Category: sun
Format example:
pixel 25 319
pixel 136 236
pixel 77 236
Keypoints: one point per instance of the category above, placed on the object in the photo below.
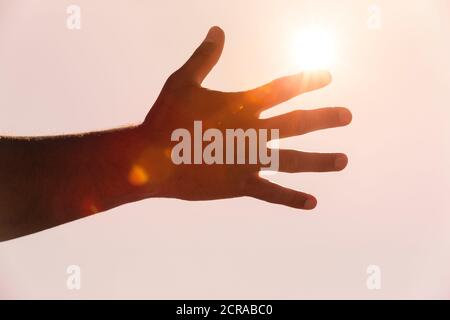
pixel 314 48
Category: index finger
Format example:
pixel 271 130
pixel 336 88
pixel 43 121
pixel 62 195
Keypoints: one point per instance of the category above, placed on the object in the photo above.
pixel 284 89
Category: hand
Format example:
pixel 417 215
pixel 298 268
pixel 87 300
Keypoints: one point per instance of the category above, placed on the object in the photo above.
pixel 183 100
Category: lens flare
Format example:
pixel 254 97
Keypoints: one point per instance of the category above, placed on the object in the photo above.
pixel 138 176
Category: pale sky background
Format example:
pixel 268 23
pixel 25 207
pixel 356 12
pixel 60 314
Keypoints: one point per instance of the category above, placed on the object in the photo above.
pixel 390 207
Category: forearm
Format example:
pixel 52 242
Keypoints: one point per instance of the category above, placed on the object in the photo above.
pixel 50 181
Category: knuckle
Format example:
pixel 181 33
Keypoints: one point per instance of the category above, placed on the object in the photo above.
pixel 173 78
pixel 205 50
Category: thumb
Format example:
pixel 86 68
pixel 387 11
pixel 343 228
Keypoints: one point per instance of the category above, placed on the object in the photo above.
pixel 205 57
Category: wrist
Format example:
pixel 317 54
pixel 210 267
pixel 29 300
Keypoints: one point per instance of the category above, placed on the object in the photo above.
pixel 135 160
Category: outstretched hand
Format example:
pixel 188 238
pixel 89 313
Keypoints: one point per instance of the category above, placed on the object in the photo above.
pixel 183 100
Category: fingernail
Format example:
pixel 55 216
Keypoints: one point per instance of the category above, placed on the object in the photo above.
pixel 325 76
pixel 213 35
pixel 345 117
pixel 321 75
pixel 310 204
pixel 340 162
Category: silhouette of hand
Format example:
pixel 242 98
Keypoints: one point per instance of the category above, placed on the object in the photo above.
pixel 183 100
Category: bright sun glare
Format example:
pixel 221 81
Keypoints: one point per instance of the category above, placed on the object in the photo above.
pixel 315 48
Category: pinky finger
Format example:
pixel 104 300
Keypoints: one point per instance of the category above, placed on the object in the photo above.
pixel 268 191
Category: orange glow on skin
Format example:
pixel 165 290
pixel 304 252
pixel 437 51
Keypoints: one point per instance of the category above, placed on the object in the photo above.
pixel 93 208
pixel 89 207
pixel 168 153
pixel 138 176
